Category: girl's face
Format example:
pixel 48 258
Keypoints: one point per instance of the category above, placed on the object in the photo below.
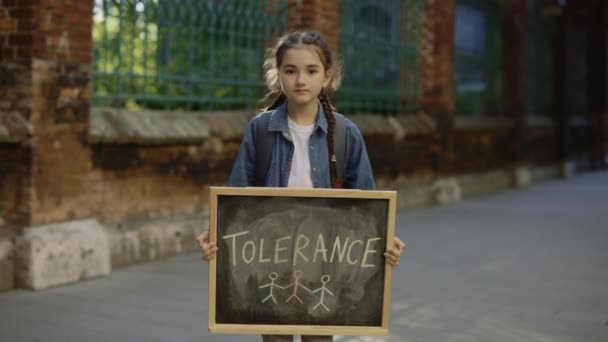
pixel 302 75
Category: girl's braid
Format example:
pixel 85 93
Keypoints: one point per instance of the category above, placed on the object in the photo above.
pixel 328 108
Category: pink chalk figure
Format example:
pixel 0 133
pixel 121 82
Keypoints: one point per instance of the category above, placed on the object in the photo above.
pixel 296 284
pixel 273 277
pixel 323 289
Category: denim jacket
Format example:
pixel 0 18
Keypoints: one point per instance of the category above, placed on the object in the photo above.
pixel 357 169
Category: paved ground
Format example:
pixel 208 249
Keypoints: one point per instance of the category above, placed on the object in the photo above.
pixel 528 265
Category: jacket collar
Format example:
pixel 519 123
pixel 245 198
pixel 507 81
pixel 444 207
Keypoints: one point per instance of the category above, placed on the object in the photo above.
pixel 278 119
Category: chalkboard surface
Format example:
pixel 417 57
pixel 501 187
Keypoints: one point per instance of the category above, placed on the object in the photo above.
pixel 298 259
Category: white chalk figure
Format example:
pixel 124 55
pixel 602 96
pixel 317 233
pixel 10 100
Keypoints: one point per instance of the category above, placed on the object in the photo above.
pixel 296 285
pixel 273 277
pixel 323 289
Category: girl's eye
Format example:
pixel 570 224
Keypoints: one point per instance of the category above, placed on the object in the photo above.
pixel 312 72
pixel 289 72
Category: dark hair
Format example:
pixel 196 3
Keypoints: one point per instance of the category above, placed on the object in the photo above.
pixel 272 63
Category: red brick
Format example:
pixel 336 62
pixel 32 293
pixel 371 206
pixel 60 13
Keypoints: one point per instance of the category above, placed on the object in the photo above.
pixel 7 25
pixel 80 36
pixel 73 20
pixel 7 53
pixel 63 57
pixel 24 52
pixel 84 6
pixel 39 41
pixel 85 57
pixel 26 3
pixel 43 54
pixel 20 39
pixel 25 25
pixel 22 12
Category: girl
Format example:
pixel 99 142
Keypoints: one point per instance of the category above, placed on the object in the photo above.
pixel 302 73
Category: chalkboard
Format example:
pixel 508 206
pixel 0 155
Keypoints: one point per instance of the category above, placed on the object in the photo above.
pixel 300 261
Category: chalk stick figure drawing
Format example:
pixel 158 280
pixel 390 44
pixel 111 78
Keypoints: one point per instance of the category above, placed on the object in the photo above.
pixel 273 277
pixel 323 289
pixel 296 285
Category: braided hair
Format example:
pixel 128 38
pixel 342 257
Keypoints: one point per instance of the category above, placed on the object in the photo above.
pixel 272 63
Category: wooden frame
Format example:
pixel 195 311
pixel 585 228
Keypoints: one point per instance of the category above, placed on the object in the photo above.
pixel 382 329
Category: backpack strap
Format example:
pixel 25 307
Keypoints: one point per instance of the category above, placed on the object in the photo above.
pixel 340 148
pixel 263 148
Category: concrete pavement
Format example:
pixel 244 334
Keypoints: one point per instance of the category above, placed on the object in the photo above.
pixel 528 265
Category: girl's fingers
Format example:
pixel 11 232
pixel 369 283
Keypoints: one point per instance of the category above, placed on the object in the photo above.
pixel 394 252
pixel 202 238
pixel 210 254
pixel 208 249
pixel 400 245
pixel 391 259
pixel 393 255
pixel 203 241
pixel 209 245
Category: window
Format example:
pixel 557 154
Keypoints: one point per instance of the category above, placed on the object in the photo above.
pixel 477 58
pixel 539 60
pixel 379 47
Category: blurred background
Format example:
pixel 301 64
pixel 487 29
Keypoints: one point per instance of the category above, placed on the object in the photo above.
pixel 117 115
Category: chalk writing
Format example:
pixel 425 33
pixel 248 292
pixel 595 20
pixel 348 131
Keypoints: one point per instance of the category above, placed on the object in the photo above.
pixel 296 285
pixel 323 290
pixel 343 250
pixel 273 276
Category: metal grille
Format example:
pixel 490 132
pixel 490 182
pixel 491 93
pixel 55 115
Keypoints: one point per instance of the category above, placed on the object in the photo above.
pixel 183 54
pixel 539 66
pixel 477 51
pixel 379 48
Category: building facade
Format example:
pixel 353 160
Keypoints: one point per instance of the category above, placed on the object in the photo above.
pixel 117 117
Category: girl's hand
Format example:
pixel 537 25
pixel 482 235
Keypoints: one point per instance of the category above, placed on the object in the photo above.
pixel 393 255
pixel 209 249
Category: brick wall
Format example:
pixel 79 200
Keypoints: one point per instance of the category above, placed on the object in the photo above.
pixel 436 78
pixel 513 17
pixel 45 49
pixel 436 56
pixel 16 27
pixel 138 181
pixel 478 150
pixel 13 184
pixel 540 145
pixel 318 15
pixel 61 73
pixel 46 68
pixel 62 174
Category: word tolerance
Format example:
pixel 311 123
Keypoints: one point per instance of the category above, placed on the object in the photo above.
pixel 277 251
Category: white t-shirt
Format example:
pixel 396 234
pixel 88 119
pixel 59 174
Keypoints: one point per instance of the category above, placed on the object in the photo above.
pixel 299 175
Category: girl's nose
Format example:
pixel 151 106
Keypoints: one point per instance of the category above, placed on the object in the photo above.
pixel 299 80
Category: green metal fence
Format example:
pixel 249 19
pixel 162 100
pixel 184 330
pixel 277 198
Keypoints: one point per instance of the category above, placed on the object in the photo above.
pixel 539 57
pixel 477 57
pixel 183 54
pixel 379 48
pixel 207 54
